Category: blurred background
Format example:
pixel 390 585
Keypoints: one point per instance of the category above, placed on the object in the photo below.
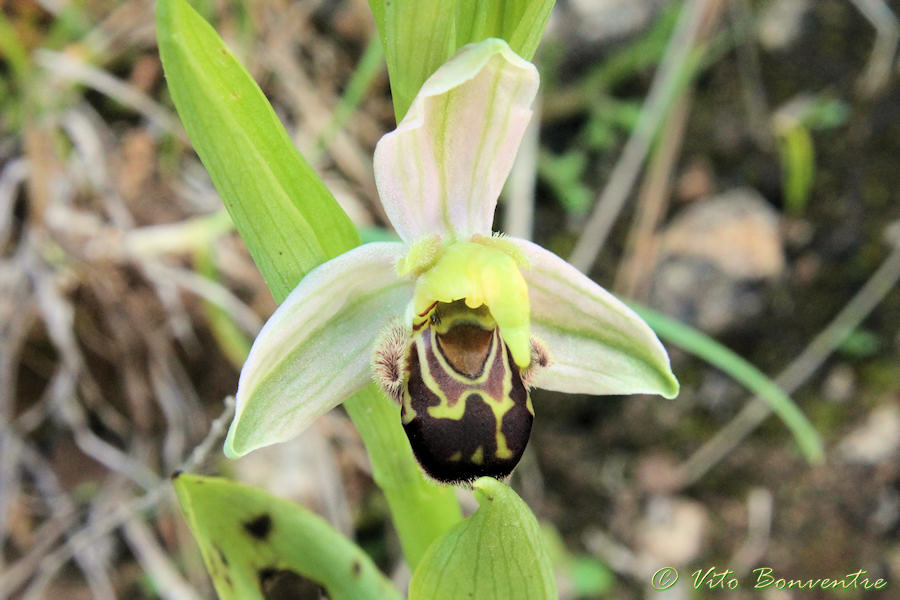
pixel 732 163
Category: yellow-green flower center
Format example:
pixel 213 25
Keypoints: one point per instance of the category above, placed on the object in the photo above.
pixel 483 271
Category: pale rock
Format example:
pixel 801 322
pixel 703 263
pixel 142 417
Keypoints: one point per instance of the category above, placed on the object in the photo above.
pixel 736 231
pixel 599 21
pixel 673 530
pixel 839 385
pixel 715 258
pixel 876 440
pixel 780 23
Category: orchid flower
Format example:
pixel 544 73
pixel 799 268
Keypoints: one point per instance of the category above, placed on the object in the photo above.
pixel 455 323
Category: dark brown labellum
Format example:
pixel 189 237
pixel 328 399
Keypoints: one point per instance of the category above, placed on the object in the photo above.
pixel 465 408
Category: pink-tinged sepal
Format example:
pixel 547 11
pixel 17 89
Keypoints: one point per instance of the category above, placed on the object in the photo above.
pixel 316 349
pixel 442 169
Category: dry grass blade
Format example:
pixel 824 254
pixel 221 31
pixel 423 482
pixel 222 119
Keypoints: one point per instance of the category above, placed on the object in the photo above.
pixel 621 180
pixel 632 278
pixel 50 564
pixel 756 410
pixel 74 70
pixel 153 559
pixel 887 35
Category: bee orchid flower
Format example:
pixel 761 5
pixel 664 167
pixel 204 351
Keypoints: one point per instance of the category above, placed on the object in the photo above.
pixel 455 323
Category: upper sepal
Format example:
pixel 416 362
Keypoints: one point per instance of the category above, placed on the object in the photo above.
pixel 442 169
pixel 316 349
pixel 597 345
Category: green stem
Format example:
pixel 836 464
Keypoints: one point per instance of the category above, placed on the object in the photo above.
pixel 422 510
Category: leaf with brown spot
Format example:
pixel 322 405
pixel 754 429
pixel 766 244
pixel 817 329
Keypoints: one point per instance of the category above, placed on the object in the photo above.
pixel 259 547
pixel 259 527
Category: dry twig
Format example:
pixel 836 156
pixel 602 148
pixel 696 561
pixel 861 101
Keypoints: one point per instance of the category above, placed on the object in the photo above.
pixel 627 169
pixel 756 410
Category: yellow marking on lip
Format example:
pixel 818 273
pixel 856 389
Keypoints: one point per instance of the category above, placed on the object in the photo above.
pixel 500 410
pixel 499 406
pixel 449 317
pixel 409 413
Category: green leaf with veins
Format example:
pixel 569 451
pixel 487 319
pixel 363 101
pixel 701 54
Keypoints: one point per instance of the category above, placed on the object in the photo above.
pixel 259 546
pixel 497 553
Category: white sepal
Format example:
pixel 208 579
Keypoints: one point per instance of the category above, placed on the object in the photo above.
pixel 597 345
pixel 316 349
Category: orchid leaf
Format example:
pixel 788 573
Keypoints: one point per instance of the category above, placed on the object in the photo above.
pixel 520 22
pixel 420 35
pixel 497 553
pixel 259 546
pixel 279 205
pixel 417 39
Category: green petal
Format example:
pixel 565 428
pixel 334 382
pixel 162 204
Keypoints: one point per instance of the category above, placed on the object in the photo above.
pixel 496 554
pixel 442 169
pixel 316 349
pixel 597 345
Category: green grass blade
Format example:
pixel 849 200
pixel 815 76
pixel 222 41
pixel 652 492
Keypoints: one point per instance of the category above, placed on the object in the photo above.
pixel 706 348
pixel 286 215
pixel 258 546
